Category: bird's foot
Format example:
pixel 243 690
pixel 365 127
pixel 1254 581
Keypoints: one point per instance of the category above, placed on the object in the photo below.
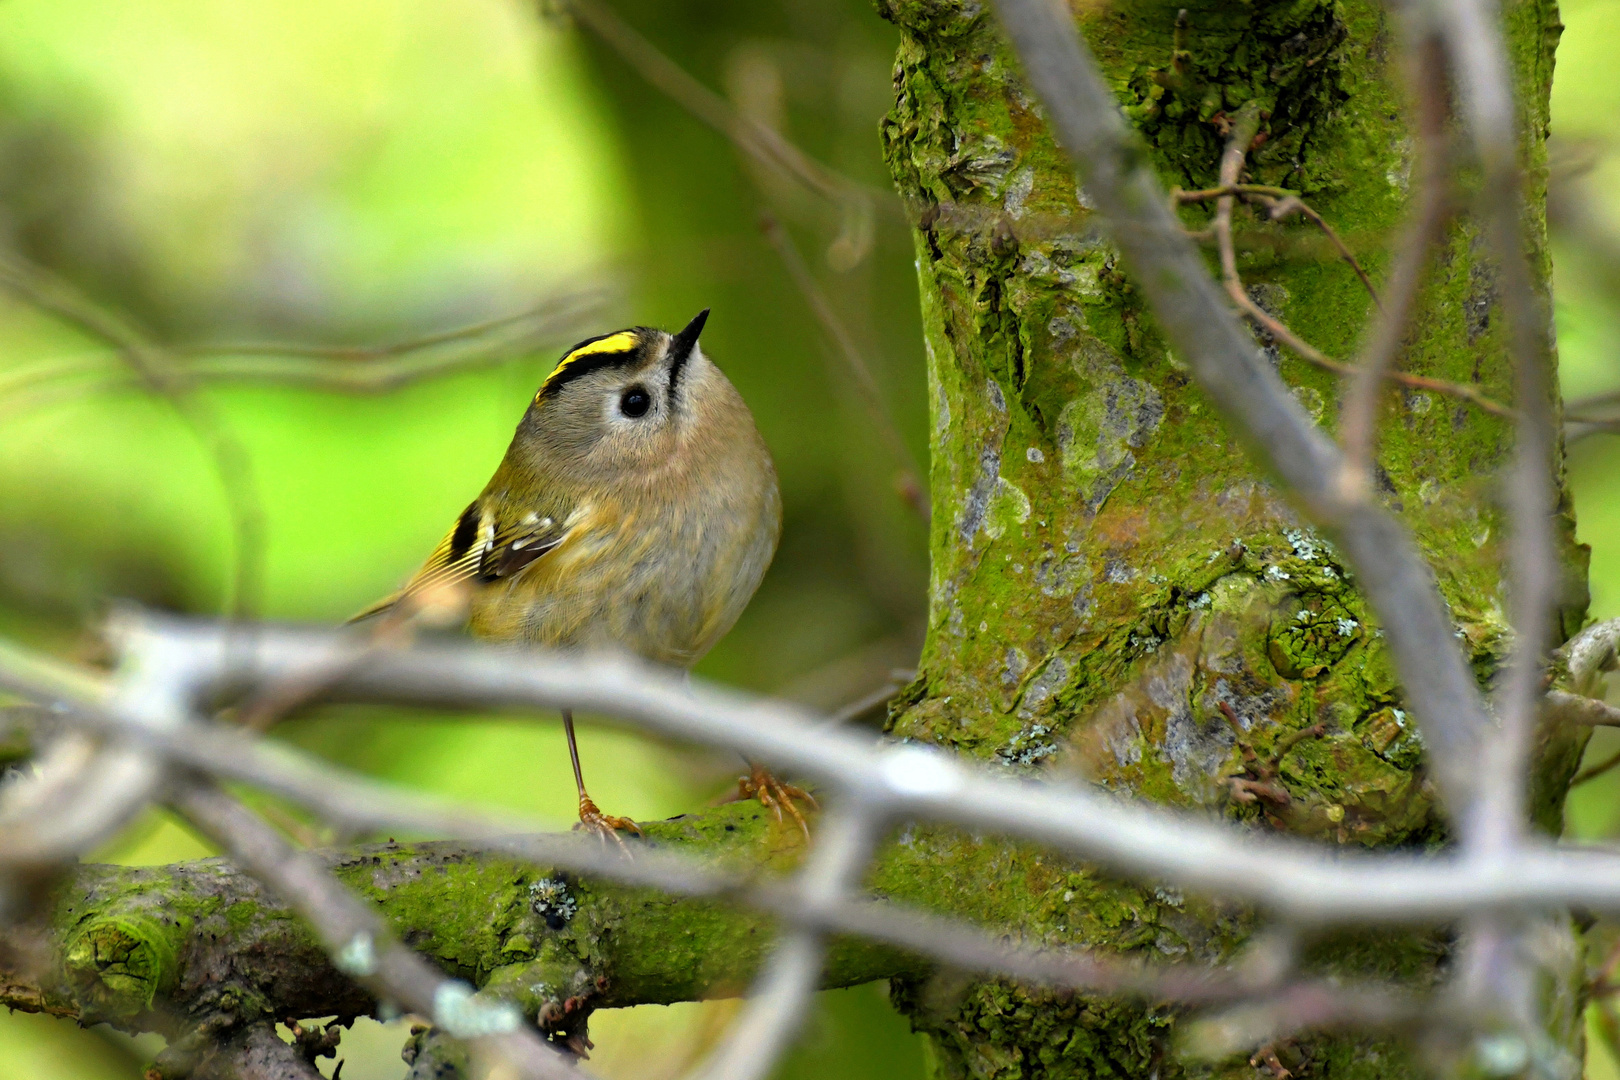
pixel 605 825
pixel 775 795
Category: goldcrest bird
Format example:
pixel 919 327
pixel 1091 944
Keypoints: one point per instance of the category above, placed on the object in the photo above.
pixel 636 508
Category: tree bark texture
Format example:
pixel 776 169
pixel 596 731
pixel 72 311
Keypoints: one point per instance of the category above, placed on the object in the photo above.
pixel 1111 576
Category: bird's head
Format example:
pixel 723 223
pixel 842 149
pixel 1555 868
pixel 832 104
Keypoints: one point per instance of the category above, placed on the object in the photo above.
pixel 625 402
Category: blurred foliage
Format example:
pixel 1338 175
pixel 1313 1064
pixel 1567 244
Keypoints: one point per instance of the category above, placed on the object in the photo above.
pixel 368 170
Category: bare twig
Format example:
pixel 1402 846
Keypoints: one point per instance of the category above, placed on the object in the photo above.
pixel 778 1008
pixel 1295 879
pixel 1117 174
pixel 871 395
pixel 360 942
pixel 1579 709
pixel 1232 160
pixel 1590 655
pixel 759 141
pixel 1281 202
pixel 153 367
pixel 1356 428
pixel 1592 772
pixel 1471 36
pixel 1577 430
pixel 1582 408
pixel 356 369
pixel 546 317
pixel 364 805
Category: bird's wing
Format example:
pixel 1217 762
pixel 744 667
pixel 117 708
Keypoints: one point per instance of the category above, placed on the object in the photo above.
pixel 487 542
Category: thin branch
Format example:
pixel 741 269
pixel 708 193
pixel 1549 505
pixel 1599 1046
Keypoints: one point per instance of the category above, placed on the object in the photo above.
pixel 335 368
pixel 232 465
pixel 547 314
pixel 1592 772
pixel 1533 565
pixel 759 141
pixel 1364 388
pixel 1592 654
pixel 1280 202
pixel 1233 282
pixel 1295 879
pixel 780 1003
pixel 361 805
pixel 1477 57
pixel 359 940
pixel 1579 709
pixel 871 395
pixel 1581 408
pixel 1293 204
pixel 1577 430
pixel 868 702
pixel 1118 176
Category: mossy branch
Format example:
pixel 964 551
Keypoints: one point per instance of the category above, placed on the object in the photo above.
pixel 202 945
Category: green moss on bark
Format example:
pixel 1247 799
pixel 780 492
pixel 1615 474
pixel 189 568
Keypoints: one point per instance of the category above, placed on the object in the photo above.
pixel 201 945
pixel 1111 576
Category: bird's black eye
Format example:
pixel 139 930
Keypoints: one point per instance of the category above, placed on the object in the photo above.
pixel 635 402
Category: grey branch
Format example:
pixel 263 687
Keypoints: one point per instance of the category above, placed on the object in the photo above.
pixel 360 942
pixel 1114 168
pixel 1294 879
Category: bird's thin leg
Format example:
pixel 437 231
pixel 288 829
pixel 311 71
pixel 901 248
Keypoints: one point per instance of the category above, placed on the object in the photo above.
pixel 603 825
pixel 762 785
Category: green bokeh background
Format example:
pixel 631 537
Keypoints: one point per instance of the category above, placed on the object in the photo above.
pixel 369 170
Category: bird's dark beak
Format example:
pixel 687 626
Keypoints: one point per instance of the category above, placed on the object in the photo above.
pixel 682 344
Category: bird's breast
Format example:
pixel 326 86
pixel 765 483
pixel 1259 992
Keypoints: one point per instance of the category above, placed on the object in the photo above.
pixel 659 576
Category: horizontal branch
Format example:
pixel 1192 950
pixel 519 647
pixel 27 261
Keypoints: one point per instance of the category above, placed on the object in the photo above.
pixel 140 947
pixel 1294 879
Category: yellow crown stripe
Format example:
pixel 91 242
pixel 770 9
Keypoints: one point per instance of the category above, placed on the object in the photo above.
pixel 623 341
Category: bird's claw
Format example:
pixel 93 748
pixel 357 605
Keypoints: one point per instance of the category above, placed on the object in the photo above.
pixel 605 825
pixel 775 795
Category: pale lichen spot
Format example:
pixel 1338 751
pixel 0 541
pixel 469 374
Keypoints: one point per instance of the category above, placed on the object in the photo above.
pixel 1042 687
pixel 1117 572
pixel 1014 667
pixel 998 400
pixel 358 957
pixel 1034 454
pixel 1097 432
pixel 1306 544
pixel 551 900
pixel 458 1009
pixel 1008 507
pixel 1018 190
pixel 1311 400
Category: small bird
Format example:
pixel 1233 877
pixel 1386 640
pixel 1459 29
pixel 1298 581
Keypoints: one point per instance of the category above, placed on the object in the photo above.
pixel 636 508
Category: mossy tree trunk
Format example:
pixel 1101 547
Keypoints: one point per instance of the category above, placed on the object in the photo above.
pixel 1111 575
